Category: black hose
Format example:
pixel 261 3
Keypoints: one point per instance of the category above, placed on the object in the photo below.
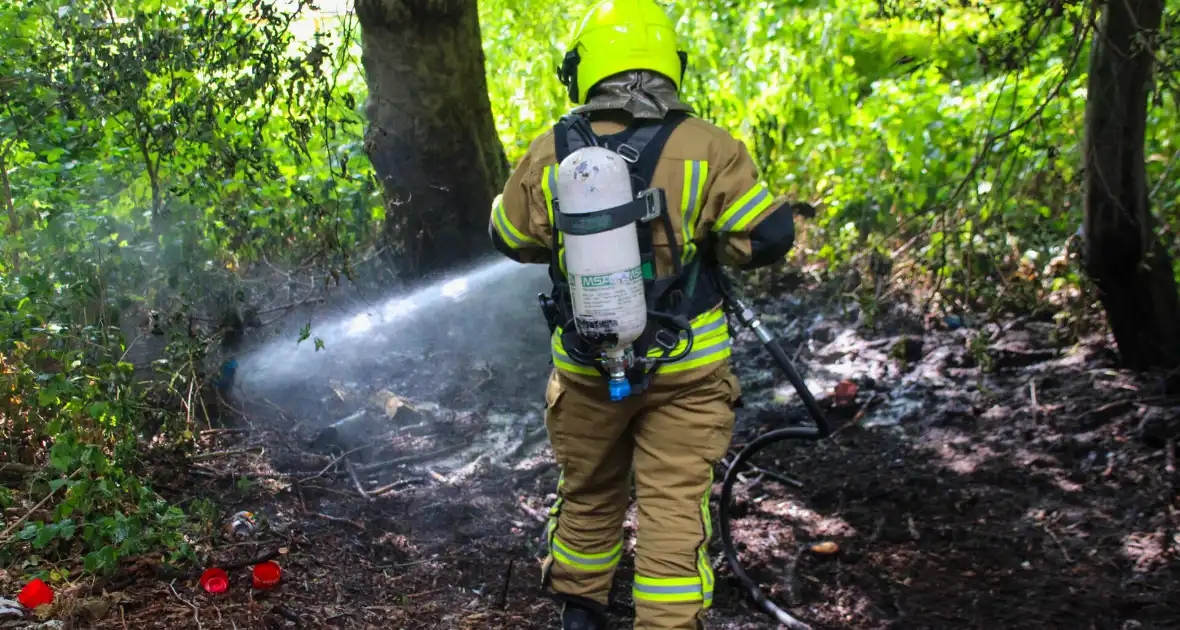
pixel 820 430
pixel 755 592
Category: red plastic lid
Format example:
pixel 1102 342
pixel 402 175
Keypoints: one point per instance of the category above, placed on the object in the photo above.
pixel 845 392
pixel 266 574
pixel 35 593
pixel 215 580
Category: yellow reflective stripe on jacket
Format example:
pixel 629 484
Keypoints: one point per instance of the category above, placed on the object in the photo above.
pixel 745 209
pixel 508 232
pixel 548 188
pixel 711 343
pixel 703 353
pixel 586 561
pixel 672 590
pixel 695 173
pixel 563 360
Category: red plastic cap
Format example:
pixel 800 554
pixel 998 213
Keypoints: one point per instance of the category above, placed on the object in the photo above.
pixel 35 593
pixel 215 580
pixel 845 392
pixel 266 574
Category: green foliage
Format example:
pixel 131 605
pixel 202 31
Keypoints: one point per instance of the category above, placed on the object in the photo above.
pixel 158 157
pixel 949 131
pixel 68 387
pixel 151 153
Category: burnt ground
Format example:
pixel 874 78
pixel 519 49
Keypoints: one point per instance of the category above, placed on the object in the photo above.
pixel 1015 484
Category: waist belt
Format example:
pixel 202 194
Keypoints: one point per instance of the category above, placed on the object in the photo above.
pixel 711 343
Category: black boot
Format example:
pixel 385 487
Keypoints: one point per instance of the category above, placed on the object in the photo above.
pixel 575 617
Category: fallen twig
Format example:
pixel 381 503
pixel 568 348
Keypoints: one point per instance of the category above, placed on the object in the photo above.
pixel 205 432
pixel 200 457
pixel 356 480
pixel 397 461
pixel 790 579
pixel 395 485
pixel 507 581
pixel 533 512
pixel 22 469
pixel 17 522
pixel 1097 417
pixel 334 462
pixel 1057 540
pixel 286 613
pixel 299 494
pixel 258 559
pixel 336 519
pixel 781 478
pixel 196 611
pixel 1170 459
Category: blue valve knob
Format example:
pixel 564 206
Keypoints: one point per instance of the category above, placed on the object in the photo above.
pixel 619 388
pixel 225 380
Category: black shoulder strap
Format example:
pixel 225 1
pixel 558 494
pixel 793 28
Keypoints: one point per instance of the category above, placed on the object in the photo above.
pixel 571 133
pixel 649 149
pixel 644 169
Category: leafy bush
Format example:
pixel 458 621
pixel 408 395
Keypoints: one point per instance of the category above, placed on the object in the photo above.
pixel 155 154
pixel 903 129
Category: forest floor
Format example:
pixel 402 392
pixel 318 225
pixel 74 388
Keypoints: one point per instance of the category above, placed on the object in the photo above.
pixel 1040 493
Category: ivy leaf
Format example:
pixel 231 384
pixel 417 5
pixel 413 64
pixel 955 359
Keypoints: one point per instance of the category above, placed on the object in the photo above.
pixel 44 536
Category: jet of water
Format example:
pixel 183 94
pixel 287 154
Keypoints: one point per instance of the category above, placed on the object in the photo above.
pixel 491 310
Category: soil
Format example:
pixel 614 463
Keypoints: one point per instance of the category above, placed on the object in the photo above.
pixel 1020 484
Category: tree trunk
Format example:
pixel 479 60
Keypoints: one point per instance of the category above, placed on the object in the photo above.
pixel 1124 256
pixel 431 136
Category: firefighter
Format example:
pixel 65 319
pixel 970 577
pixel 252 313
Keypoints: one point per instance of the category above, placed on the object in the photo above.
pixel 623 71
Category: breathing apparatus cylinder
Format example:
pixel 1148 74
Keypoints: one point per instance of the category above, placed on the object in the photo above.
pixel 604 270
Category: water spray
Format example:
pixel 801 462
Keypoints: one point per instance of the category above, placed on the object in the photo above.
pixel 454 313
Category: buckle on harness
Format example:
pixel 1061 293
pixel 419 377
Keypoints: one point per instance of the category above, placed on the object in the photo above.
pixel 628 153
pixel 665 339
pixel 653 201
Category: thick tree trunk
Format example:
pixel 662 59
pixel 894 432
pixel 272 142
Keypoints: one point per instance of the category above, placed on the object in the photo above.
pixel 1125 258
pixel 431 136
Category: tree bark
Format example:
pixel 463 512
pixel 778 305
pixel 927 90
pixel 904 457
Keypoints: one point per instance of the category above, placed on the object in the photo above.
pixel 431 137
pixel 1124 256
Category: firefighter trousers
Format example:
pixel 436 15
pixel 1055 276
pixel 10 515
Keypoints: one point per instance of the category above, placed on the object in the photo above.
pixel 667 441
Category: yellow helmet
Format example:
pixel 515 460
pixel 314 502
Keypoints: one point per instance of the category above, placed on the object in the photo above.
pixel 620 35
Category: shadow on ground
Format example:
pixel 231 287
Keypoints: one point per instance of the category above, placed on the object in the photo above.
pixel 1038 495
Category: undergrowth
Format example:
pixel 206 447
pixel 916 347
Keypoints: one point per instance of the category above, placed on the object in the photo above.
pixel 167 165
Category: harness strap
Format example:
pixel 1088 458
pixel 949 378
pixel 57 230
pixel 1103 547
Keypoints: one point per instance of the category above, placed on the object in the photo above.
pixel 649 205
pixel 656 331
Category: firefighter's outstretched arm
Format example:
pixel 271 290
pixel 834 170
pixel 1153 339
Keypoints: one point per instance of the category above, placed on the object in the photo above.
pixel 511 226
pixel 752 227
